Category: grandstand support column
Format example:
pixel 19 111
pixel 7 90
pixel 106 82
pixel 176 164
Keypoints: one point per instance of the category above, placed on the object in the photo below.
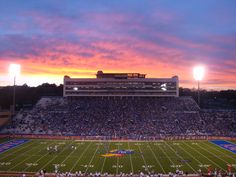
pixel 198 92
pixel 14 96
pixel 14 71
pixel 198 74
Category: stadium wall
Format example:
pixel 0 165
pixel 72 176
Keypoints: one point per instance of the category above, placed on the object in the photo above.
pixel 90 138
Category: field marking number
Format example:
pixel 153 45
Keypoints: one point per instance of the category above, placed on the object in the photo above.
pixel 177 144
pixel 99 144
pixel 203 165
pixel 148 166
pixel 80 143
pixel 31 164
pixel 60 165
pixel 137 144
pixel 194 143
pixel 87 166
pixel 117 166
pixel 5 163
pixel 176 166
pixel 157 144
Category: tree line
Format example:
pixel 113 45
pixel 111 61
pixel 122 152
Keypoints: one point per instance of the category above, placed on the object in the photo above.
pixel 27 96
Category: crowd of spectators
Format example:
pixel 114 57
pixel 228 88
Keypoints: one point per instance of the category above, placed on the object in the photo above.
pixel 122 117
pixel 219 122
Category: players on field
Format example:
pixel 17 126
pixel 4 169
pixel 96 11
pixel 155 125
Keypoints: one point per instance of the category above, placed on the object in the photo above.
pixel 73 147
pixel 52 149
pixel 56 166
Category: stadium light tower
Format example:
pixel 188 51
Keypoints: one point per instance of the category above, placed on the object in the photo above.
pixel 14 71
pixel 198 74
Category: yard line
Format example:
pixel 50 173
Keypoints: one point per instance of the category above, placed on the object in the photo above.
pixel 91 159
pixel 104 159
pixel 191 154
pixel 20 148
pixel 131 162
pixel 117 160
pixel 215 155
pixel 205 157
pixel 146 167
pixel 168 157
pixel 156 158
pixel 77 161
pixel 219 150
pixel 26 158
pixel 68 155
pixel 60 162
pixel 37 160
pixel 56 155
pixel 180 157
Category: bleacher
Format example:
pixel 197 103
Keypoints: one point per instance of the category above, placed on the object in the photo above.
pixel 121 117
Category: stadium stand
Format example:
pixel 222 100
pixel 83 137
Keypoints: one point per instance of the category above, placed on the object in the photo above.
pixel 219 122
pixel 4 118
pixel 126 117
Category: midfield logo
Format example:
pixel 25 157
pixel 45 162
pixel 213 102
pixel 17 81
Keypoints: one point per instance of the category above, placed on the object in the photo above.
pixel 118 153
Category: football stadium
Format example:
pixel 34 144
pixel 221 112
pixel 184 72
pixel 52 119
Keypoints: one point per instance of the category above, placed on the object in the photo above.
pixel 119 124
pixel 117 88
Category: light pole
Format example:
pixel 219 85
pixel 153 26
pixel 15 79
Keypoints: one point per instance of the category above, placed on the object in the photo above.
pixel 14 71
pixel 198 74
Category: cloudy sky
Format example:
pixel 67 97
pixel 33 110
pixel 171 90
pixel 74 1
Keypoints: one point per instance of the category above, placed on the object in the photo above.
pixel 160 38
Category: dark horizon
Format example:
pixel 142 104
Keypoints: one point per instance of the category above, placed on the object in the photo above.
pixel 30 95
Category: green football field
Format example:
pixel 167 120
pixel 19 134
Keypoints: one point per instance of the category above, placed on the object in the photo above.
pixel 158 156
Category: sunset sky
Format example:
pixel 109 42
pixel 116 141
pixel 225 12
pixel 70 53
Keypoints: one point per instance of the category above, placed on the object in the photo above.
pixel 160 38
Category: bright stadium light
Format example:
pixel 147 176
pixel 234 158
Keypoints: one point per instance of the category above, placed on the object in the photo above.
pixel 198 74
pixel 14 71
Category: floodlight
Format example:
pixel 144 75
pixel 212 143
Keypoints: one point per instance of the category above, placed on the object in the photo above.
pixel 163 87
pixel 198 73
pixel 14 70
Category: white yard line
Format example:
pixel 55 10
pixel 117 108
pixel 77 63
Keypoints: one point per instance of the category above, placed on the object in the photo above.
pixel 146 167
pixel 103 164
pixel 214 155
pixel 14 152
pixel 180 157
pixel 156 158
pixel 68 156
pixel 26 158
pixel 36 160
pixel 55 156
pixel 168 157
pixel 191 154
pixel 130 158
pixel 77 161
pixel 206 157
pixel 60 162
pixel 117 161
pixel 219 150
pixel 92 159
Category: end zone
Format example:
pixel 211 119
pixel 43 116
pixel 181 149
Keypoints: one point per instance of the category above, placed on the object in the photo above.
pixel 11 144
pixel 225 145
